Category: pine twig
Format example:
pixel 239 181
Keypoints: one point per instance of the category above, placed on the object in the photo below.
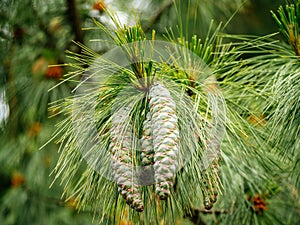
pixel 74 18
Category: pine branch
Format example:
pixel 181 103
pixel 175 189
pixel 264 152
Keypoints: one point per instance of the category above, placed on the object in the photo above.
pixel 13 120
pixel 74 18
pixel 287 20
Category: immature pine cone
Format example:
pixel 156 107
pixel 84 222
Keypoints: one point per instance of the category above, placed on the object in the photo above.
pixel 210 179
pixel 121 154
pixel 165 138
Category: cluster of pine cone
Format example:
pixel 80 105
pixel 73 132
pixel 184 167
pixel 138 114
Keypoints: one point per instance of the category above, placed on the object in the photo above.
pixel 160 148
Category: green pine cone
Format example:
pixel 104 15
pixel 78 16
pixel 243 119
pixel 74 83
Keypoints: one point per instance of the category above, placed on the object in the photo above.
pixel 165 138
pixel 207 191
pixel 147 155
pixel 210 179
pixel 215 168
pixel 121 155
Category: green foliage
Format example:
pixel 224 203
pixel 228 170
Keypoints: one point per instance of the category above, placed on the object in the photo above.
pixel 253 79
pixel 190 91
pixel 283 87
pixel 288 22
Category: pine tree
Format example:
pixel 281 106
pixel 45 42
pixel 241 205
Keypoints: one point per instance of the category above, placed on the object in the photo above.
pixel 200 128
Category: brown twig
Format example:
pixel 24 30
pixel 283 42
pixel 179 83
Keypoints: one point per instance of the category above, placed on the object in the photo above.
pixel 75 21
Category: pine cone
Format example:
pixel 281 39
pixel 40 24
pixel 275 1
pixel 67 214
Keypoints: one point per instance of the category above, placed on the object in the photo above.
pixel 210 179
pixel 120 147
pixel 147 155
pixel 165 138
